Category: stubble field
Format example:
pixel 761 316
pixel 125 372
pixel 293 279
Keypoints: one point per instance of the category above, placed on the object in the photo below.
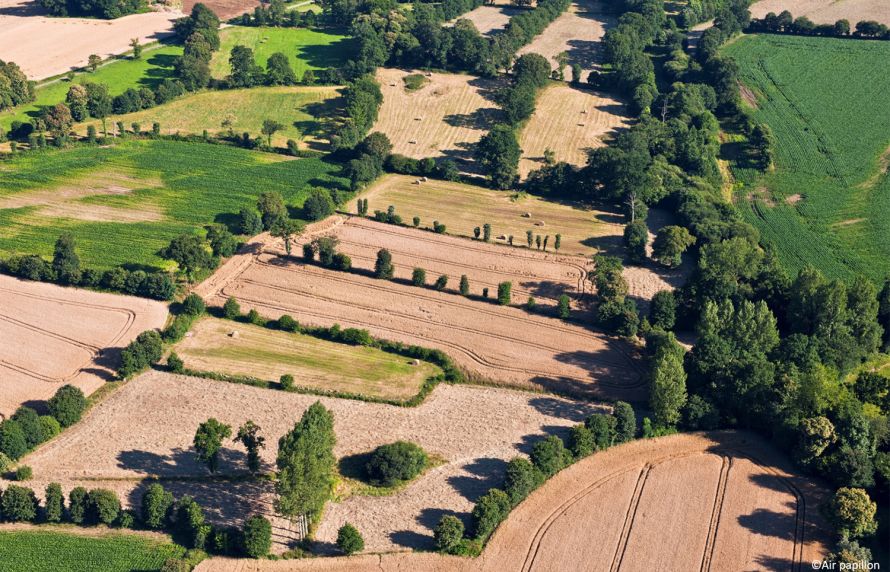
pixel 444 118
pixel 490 19
pixel 826 11
pixel 569 121
pixel 55 336
pixel 43 46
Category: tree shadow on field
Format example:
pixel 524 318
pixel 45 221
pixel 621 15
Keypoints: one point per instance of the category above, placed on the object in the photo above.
pixel 608 245
pixel 547 288
pixel 162 67
pixel 480 119
pixel 354 466
pixel 180 463
pixel 411 539
pixel 775 563
pixel 766 522
pixel 488 88
pixel 484 473
pixel 528 441
pixel 332 55
pixel 576 411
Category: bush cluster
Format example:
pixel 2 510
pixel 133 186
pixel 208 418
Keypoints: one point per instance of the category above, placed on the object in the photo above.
pixel 394 463
pixel 26 429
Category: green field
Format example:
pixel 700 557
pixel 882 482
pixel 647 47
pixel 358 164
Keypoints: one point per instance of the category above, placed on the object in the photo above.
pixel 305 111
pixel 125 202
pixel 155 65
pixel 827 202
pixel 307 49
pixel 50 551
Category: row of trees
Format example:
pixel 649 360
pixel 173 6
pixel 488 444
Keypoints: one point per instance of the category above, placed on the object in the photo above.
pixel 15 89
pixel 786 23
pixel 105 9
pixel 277 14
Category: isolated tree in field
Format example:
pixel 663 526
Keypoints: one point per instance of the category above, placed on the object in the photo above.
pixel 349 539
pixel 498 154
pixel 137 48
pixel 278 70
pixel 448 533
pixel 669 245
pixel 486 232
pixel 188 251
pixel 271 207
pixel 418 277
pixel 529 237
pixel 383 267
pixel 208 441
pixel 93 62
pixel 156 506
pixel 636 235
pixel 667 383
pixel 504 289
pixel 464 285
pixel 249 436
pixel 319 205
pixel 285 229
pixel 306 465
pixel 66 263
pixel 395 462
pixel 270 127
pixel 563 306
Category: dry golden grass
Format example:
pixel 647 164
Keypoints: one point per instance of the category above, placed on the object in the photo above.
pixel 568 121
pixel 827 11
pixel 444 118
pixel 490 20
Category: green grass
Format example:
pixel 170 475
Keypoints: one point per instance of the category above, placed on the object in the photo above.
pixel 51 551
pixel 306 49
pixel 154 66
pixel 175 187
pixel 826 101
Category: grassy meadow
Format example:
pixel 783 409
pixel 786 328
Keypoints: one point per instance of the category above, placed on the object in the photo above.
pixel 316 364
pixel 307 49
pixel 827 201
pixel 51 551
pixel 305 111
pixel 125 202
pixel 155 65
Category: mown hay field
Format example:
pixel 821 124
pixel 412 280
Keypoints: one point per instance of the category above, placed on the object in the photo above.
pixel 306 49
pixel 826 11
pixel 826 203
pixel 245 350
pixel 70 550
pixel 306 112
pixel 155 65
pixel 490 19
pixel 444 118
pixel 461 208
pixel 143 193
pixel 569 121
pixel 577 32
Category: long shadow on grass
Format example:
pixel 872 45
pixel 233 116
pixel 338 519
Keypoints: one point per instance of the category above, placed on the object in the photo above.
pixel 332 55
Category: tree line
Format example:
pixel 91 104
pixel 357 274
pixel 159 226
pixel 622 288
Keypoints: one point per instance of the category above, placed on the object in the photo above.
pixel 786 23
pixel 105 9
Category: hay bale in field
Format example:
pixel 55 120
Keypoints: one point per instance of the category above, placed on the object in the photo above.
pixel 502 237
pixel 234 334
pixel 539 223
pixel 413 142
pixel 581 125
pixel 526 215
pixel 415 361
pixel 424 179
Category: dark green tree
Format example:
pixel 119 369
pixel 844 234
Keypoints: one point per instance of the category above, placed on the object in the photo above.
pixel 208 441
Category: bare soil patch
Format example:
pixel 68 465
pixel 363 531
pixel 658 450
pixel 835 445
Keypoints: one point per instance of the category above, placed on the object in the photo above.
pixel 444 118
pixel 793 199
pixel 146 428
pixel 546 276
pixel 568 121
pixel 495 344
pixel 225 9
pixel 490 20
pixel 43 46
pixel 578 31
pixel 631 508
pixel 826 11
pixel 748 95
pixel 54 335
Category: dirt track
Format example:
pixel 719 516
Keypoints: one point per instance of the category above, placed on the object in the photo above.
pixel 718 501
pixel 498 344
pixel 43 46
pixel 146 428
pixel 54 335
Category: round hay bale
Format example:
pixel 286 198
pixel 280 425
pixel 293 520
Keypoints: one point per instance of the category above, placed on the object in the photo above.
pixel 526 215
pixel 234 334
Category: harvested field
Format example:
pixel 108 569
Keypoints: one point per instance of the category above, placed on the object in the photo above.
pixel 533 273
pixel 490 20
pixel 43 46
pixel 827 11
pixel 569 121
pixel 444 118
pixel 631 508
pixel 54 335
pixel 461 207
pixel 225 9
pixel 578 32
pixel 488 341
pixel 266 354
pixel 146 429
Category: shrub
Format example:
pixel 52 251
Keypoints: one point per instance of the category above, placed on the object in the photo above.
pixel 253 317
pixel 54 503
pixel 485 292
pixel 394 462
pixel 231 309
pixel 490 510
pixel 67 405
pixel 530 304
pixel 125 519
pixel 342 262
pixel 24 473
pixel 349 539
pixel 308 251
pixel 581 442
pixel 486 232
pixel 103 506
pixel 49 427
pixel 18 504
pixel 550 456
pixel 5 464
pixel 416 221
pixel 288 324
pixel 418 277
pixel 476 232
pixel 156 505
pixel 383 267
pixel 521 478
pixel 438 227
pixel 563 308
pixel 464 285
pixel 287 382
pixel 257 536
pixel 448 533
pixel 12 439
pixel 504 289
pixel 193 305
pixel 175 363
pixel 625 422
pixel 77 505
pixel 441 282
